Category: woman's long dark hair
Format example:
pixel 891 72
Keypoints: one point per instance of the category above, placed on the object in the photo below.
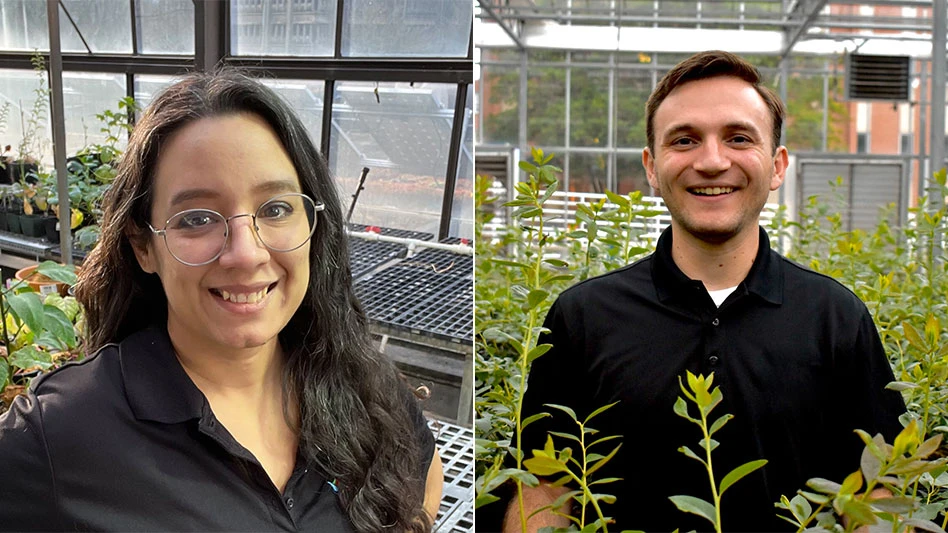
pixel 354 420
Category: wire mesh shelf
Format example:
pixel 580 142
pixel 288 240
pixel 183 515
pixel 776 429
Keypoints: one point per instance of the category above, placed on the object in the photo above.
pixel 456 446
pixel 414 297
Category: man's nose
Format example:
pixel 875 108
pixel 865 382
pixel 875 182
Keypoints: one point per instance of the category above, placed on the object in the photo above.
pixel 712 157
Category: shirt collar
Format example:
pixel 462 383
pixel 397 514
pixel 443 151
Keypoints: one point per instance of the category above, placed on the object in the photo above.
pixel 157 386
pixel 765 278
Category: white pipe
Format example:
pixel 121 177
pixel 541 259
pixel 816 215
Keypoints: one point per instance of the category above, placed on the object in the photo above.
pixel 460 249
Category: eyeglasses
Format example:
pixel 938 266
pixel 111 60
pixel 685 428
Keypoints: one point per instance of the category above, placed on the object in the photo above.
pixel 283 223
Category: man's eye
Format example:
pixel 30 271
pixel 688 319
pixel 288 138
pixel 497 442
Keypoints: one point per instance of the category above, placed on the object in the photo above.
pixel 684 141
pixel 741 139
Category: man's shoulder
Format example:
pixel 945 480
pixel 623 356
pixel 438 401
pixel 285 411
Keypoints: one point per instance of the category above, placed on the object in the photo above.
pixel 809 283
pixel 635 275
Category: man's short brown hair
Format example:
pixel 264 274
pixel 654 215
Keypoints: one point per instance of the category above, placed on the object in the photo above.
pixel 712 64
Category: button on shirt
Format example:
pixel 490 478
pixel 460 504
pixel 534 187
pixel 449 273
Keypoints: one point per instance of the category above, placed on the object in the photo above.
pixel 124 441
pixel 796 355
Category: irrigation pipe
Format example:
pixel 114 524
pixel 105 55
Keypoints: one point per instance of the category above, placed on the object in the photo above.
pixel 460 249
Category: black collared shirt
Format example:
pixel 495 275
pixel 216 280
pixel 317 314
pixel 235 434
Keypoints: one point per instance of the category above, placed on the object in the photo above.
pixel 796 355
pixel 124 441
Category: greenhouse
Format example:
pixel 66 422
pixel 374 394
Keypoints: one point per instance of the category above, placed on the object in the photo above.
pixel 573 190
pixel 384 91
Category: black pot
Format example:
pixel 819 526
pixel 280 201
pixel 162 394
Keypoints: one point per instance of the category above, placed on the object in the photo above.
pixel 13 222
pixel 32 225
pixel 22 171
pixel 51 229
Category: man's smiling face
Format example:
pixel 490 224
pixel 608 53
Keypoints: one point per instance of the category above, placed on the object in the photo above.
pixel 713 162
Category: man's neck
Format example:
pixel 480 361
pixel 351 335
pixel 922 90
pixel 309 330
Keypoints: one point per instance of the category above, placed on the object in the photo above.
pixel 717 265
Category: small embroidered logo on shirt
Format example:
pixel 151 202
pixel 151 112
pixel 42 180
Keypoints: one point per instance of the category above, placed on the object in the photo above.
pixel 333 485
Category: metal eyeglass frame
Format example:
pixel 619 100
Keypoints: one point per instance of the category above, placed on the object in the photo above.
pixel 317 207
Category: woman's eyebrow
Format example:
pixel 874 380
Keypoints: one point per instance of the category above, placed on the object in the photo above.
pixel 273 186
pixel 192 194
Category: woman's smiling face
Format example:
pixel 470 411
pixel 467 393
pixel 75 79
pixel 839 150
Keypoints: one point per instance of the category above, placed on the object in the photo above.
pixel 230 164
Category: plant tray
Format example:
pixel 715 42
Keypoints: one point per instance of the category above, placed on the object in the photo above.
pixel 366 256
pixel 456 446
pixel 415 297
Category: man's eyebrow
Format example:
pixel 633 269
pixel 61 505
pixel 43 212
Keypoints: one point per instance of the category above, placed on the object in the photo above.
pixel 276 186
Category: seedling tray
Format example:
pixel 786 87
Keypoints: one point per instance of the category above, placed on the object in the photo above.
pixel 456 446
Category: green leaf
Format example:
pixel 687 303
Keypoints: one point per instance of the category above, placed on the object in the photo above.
pixel 818 499
pixel 929 446
pixel 894 504
pixel 735 475
pixel 537 351
pixel 620 201
pixel 719 423
pixel 556 262
pixel 605 480
pixel 690 504
pixel 681 409
pixel 598 411
pixel 901 385
pixel 544 466
pixel 31 357
pixel 852 483
pixel 567 410
pixel 532 418
pixel 57 324
pixel 913 337
pixel 687 451
pixel 602 461
pixel 824 486
pixel 57 272
pixel 859 511
pixel 565 436
pixel 535 298
pixel 527 167
pixel 28 307
pixel 713 444
pixel 800 508
pixel 870 464
pixel 923 525
pixel 484 499
pixel 4 373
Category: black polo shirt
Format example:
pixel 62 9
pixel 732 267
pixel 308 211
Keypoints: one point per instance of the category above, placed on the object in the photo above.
pixel 795 353
pixel 124 441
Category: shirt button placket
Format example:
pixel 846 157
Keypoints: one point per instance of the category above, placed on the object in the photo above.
pixel 713 359
pixel 289 503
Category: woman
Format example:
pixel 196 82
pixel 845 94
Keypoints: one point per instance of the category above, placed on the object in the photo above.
pixel 234 387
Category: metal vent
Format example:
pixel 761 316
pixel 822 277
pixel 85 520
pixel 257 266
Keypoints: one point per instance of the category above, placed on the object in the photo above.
pixel 871 77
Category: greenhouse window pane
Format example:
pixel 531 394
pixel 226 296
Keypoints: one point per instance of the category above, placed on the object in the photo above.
pixel 401 133
pixel 406 28
pixel 546 106
pixel 587 172
pixel 20 110
pixel 105 25
pixel 462 213
pixel 86 94
pixel 165 26
pixel 632 91
pixel 498 93
pixel 306 99
pixel 283 27
pixel 23 25
pixel 630 174
pixel 589 107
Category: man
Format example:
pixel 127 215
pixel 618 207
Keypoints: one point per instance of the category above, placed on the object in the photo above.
pixel 795 353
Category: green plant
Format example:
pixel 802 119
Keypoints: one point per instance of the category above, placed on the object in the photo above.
pixel 32 144
pixel 699 393
pixel 37 332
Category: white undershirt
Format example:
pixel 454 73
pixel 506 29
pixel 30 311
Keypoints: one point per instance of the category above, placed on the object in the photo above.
pixel 721 295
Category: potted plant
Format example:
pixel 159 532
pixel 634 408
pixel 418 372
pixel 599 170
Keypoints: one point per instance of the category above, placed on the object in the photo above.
pixel 37 332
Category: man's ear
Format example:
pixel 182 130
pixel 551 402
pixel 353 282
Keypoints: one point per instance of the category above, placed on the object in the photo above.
pixel 648 161
pixel 781 163
pixel 144 252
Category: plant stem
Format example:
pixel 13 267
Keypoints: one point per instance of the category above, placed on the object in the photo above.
pixel 714 489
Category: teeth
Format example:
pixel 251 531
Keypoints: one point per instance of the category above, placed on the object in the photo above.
pixel 251 298
pixel 714 191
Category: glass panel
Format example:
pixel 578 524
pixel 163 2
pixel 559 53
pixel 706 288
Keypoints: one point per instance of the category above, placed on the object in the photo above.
pixel 587 172
pixel 406 28
pixel 401 133
pixel 306 99
pixel 283 27
pixel 106 26
pixel 589 107
pixel 23 25
pixel 86 94
pixel 498 91
pixel 630 174
pixel 147 86
pixel 165 26
pixel 546 106
pixel 462 215
pixel 632 91
pixel 21 110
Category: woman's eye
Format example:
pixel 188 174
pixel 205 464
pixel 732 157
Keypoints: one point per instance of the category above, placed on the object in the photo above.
pixel 276 210
pixel 195 220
